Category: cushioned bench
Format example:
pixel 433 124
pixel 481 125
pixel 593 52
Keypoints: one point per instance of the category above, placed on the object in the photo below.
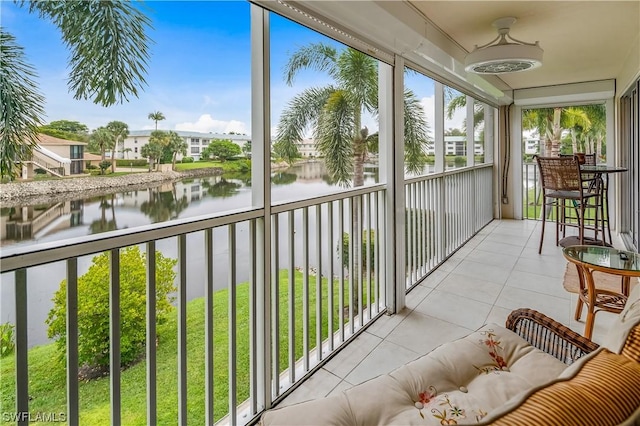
pixel 511 375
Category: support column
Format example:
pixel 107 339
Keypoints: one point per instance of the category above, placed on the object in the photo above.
pixel 261 197
pixel 391 113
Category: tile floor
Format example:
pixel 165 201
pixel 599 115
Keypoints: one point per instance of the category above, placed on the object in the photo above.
pixel 497 271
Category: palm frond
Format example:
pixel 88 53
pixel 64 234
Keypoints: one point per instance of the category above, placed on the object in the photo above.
pixel 456 103
pixel 21 108
pixel 335 137
pixel 416 134
pixel 318 56
pixel 299 114
pixel 108 44
pixel 358 75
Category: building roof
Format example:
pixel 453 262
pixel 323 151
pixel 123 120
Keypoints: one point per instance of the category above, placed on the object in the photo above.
pixel 50 140
pixel 91 157
pixel 190 134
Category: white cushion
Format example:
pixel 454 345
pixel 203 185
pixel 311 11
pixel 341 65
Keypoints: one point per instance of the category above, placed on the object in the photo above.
pixel 621 327
pixel 461 380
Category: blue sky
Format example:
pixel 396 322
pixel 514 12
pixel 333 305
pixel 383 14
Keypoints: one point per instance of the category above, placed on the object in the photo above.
pixel 198 73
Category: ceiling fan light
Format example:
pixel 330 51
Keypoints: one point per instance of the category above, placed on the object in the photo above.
pixel 506 55
pixel 504 58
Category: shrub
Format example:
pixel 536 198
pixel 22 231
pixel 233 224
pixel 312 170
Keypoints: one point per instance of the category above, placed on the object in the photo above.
pixel 460 161
pixel 104 165
pixel 40 171
pixel 132 163
pixel 93 307
pixel 187 160
pixel 7 339
pixel 367 236
pixel 91 167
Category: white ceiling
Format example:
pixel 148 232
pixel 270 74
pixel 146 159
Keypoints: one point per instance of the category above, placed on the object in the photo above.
pixel 582 40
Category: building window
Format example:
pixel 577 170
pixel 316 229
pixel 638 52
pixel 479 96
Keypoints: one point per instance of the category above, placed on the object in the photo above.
pixel 195 150
pixel 195 141
pixel 135 141
pixel 135 149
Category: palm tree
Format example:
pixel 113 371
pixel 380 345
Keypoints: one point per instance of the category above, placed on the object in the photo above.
pixel 156 116
pixel 177 145
pixel 120 131
pixel 109 53
pixel 457 101
pixel 335 113
pixel 101 140
pixel 550 122
pixel 597 116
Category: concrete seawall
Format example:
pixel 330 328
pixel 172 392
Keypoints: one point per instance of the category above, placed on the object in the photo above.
pixel 37 192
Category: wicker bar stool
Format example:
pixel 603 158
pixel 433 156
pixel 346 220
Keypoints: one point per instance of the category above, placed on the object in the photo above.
pixel 566 192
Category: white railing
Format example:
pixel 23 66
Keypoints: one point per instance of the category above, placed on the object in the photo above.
pixel 442 212
pixel 531 192
pixel 259 338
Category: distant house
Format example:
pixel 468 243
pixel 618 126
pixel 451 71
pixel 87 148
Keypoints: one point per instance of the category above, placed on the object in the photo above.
pixel 456 145
pixel 58 157
pixel 307 148
pixel 196 142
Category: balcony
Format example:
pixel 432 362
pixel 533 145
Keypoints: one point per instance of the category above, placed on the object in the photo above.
pixel 433 263
pixel 495 272
pixel 280 324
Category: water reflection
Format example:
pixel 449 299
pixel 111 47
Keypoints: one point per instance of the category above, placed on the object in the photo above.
pixel 103 224
pixel 164 205
pixel 222 189
pixel 186 198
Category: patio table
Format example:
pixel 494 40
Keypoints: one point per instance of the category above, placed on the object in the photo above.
pixel 588 259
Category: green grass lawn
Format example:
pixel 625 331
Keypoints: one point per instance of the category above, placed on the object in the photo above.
pixel 47 381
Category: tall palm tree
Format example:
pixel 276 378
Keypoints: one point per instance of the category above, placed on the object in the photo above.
pixel 156 116
pixel 334 112
pixel 109 53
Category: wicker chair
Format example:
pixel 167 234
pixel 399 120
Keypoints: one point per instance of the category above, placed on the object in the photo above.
pixel 563 182
pixel 549 335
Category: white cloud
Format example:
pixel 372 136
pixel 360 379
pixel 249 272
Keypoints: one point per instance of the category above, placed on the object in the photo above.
pixel 456 122
pixel 206 123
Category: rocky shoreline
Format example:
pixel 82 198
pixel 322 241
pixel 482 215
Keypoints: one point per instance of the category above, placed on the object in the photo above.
pixel 40 192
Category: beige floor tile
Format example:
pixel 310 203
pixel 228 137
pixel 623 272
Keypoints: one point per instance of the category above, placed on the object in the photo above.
pixel 341 387
pixel 348 358
pixel 515 240
pixel 498 315
pixel 557 308
pixel 434 278
pixel 539 283
pixel 319 385
pixel 421 333
pixel 499 247
pixel 476 289
pixel 416 296
pixel 506 261
pixel 553 266
pixel 387 323
pixel 383 359
pixel 455 309
pixel 491 273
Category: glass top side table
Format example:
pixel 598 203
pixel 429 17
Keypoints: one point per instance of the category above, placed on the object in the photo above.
pixel 603 259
